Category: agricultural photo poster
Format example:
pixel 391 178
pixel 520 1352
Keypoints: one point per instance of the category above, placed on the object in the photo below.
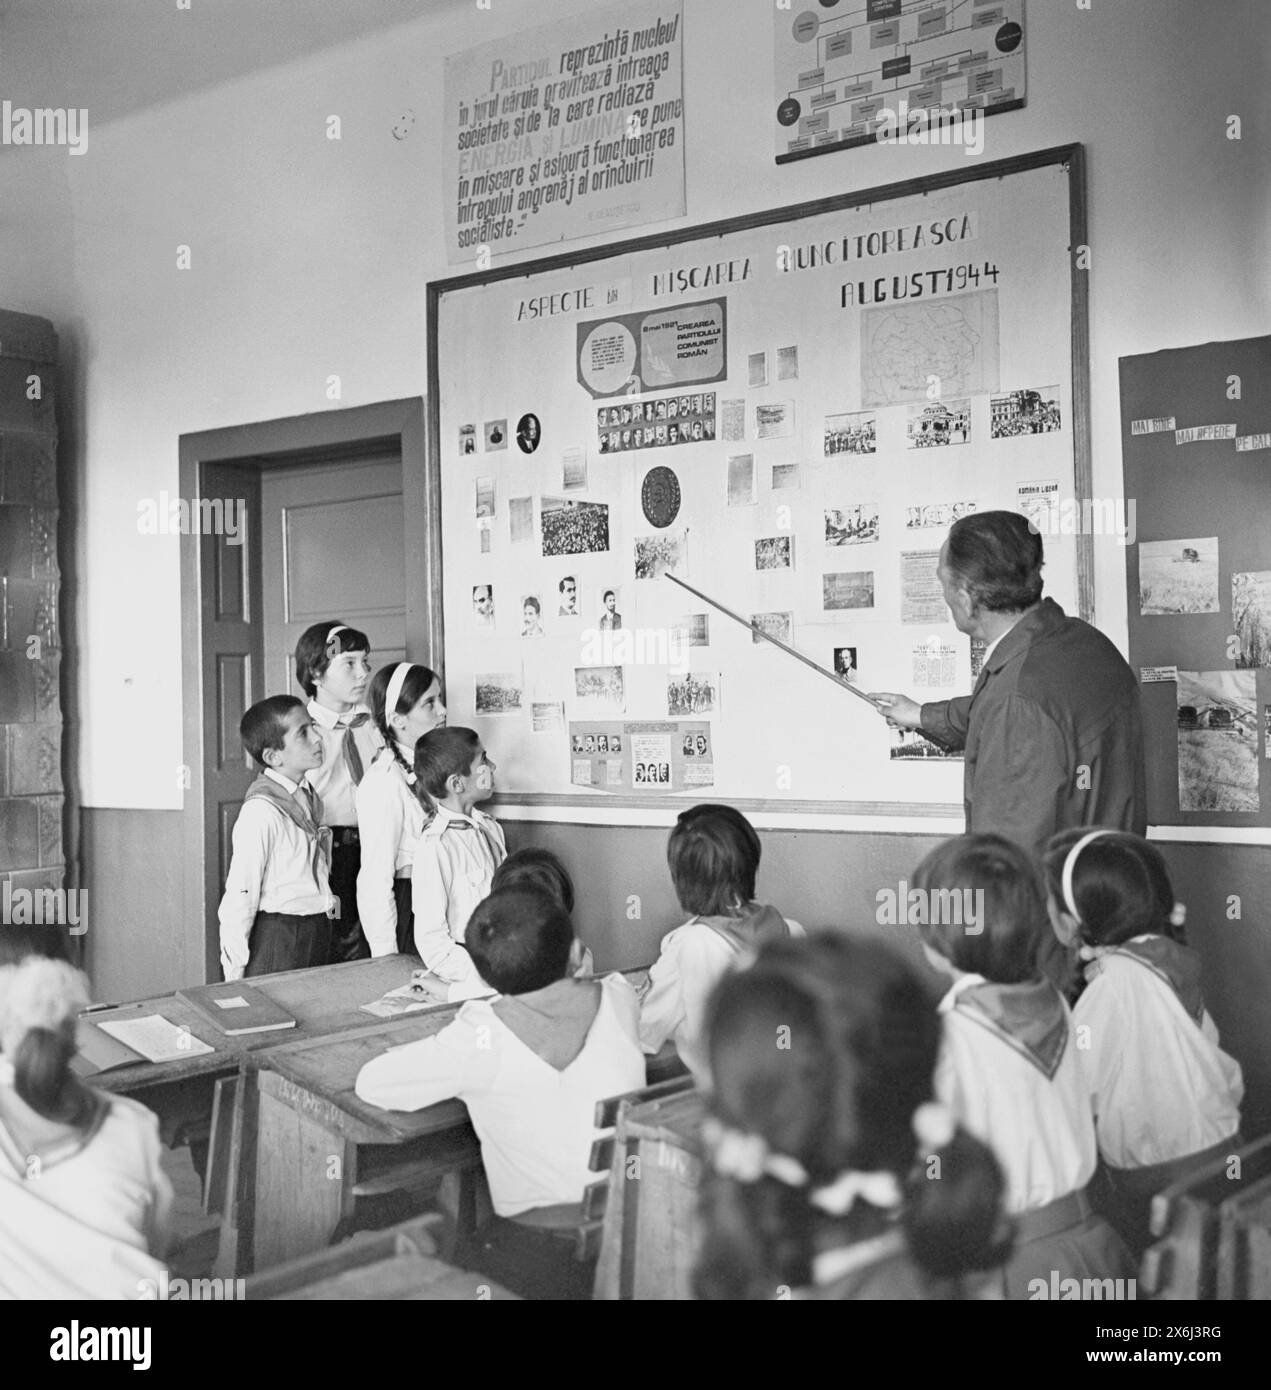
pixel 1196 446
pixel 786 412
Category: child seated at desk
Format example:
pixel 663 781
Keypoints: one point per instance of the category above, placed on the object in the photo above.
pixel 1010 1065
pixel 1166 1097
pixel 713 855
pixel 823 1154
pixel 529 1065
pixel 278 907
pixel 459 850
pixel 84 1204
pixel 540 868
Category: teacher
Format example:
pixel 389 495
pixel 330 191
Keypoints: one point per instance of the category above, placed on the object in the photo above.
pixel 1052 732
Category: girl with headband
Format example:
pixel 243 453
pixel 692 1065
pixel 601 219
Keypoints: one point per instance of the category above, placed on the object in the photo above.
pixel 1166 1097
pixel 84 1204
pixel 824 1149
pixel 405 705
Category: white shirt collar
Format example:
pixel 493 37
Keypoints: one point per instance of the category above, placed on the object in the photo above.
pixel 328 718
pixel 285 782
pixel 445 817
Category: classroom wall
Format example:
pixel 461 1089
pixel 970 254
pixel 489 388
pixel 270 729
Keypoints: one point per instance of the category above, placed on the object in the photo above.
pixel 310 258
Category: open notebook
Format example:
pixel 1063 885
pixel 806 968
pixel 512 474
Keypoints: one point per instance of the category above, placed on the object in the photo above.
pixel 104 1044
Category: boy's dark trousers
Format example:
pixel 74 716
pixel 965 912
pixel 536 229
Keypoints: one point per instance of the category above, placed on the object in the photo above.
pixel 281 941
pixel 347 941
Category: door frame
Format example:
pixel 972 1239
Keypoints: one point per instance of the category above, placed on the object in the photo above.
pixel 265 445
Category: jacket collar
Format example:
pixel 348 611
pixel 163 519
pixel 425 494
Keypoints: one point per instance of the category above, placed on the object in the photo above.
pixel 1046 617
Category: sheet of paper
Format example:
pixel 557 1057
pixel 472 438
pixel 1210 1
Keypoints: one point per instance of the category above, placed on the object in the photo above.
pixel 155 1038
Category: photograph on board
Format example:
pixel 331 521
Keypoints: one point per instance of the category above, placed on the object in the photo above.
pixel 852 525
pixel 1178 576
pixel 574 528
pixel 1218 741
pixel 499 692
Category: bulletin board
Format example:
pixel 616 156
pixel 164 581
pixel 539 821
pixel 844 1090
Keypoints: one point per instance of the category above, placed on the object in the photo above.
pixel 1196 444
pixel 787 411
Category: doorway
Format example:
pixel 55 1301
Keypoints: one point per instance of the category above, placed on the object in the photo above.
pixel 327 504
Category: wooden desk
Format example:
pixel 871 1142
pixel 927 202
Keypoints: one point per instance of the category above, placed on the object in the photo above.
pixel 308 1140
pixel 324 1001
pixel 398 1263
pixel 650 1240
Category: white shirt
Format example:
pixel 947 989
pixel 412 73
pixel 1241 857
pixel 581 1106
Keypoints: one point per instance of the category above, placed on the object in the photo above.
pixel 91 1225
pixel 535 1123
pixel 693 958
pixel 271 870
pixel 455 861
pixel 1162 1087
pixel 332 781
pixel 1041 1130
pixel 390 818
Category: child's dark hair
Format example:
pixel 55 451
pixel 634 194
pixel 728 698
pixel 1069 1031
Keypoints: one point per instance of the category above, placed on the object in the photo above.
pixel 1000 934
pixel 417 682
pixel 39 999
pixel 861 1037
pixel 1120 887
pixel 265 725
pixel 317 649
pixel 519 940
pixel 442 754
pixel 713 854
pixel 536 868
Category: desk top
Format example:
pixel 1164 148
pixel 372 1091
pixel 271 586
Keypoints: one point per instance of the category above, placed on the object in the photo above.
pixel 326 999
pixel 325 1070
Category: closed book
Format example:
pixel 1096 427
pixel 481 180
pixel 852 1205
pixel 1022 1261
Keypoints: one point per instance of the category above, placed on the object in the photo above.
pixel 238 1008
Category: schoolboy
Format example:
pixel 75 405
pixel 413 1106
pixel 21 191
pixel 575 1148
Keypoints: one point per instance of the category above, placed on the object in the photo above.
pixel 459 850
pixel 530 1066
pixel 278 907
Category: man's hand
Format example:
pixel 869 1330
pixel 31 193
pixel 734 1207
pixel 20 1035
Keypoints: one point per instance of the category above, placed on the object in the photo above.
pixel 900 711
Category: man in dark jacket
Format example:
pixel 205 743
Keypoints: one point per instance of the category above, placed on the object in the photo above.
pixel 1052 732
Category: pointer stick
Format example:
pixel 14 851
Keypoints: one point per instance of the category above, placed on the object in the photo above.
pixel 777 642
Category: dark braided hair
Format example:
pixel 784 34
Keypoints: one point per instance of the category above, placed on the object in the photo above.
pixel 824 1049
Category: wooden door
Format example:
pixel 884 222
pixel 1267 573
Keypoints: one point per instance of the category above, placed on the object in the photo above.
pixel 233 665
pixel 333 547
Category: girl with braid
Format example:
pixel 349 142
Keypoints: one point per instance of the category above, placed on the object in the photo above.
pixel 834 1173
pixel 405 705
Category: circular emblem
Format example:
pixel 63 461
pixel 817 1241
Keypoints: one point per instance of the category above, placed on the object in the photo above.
pixel 789 111
pixel 1008 37
pixel 660 496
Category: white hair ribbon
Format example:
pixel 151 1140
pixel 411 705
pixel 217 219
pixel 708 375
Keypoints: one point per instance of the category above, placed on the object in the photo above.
pixel 1070 863
pixel 395 683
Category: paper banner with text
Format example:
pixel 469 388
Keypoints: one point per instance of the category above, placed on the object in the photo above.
pixel 564 131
